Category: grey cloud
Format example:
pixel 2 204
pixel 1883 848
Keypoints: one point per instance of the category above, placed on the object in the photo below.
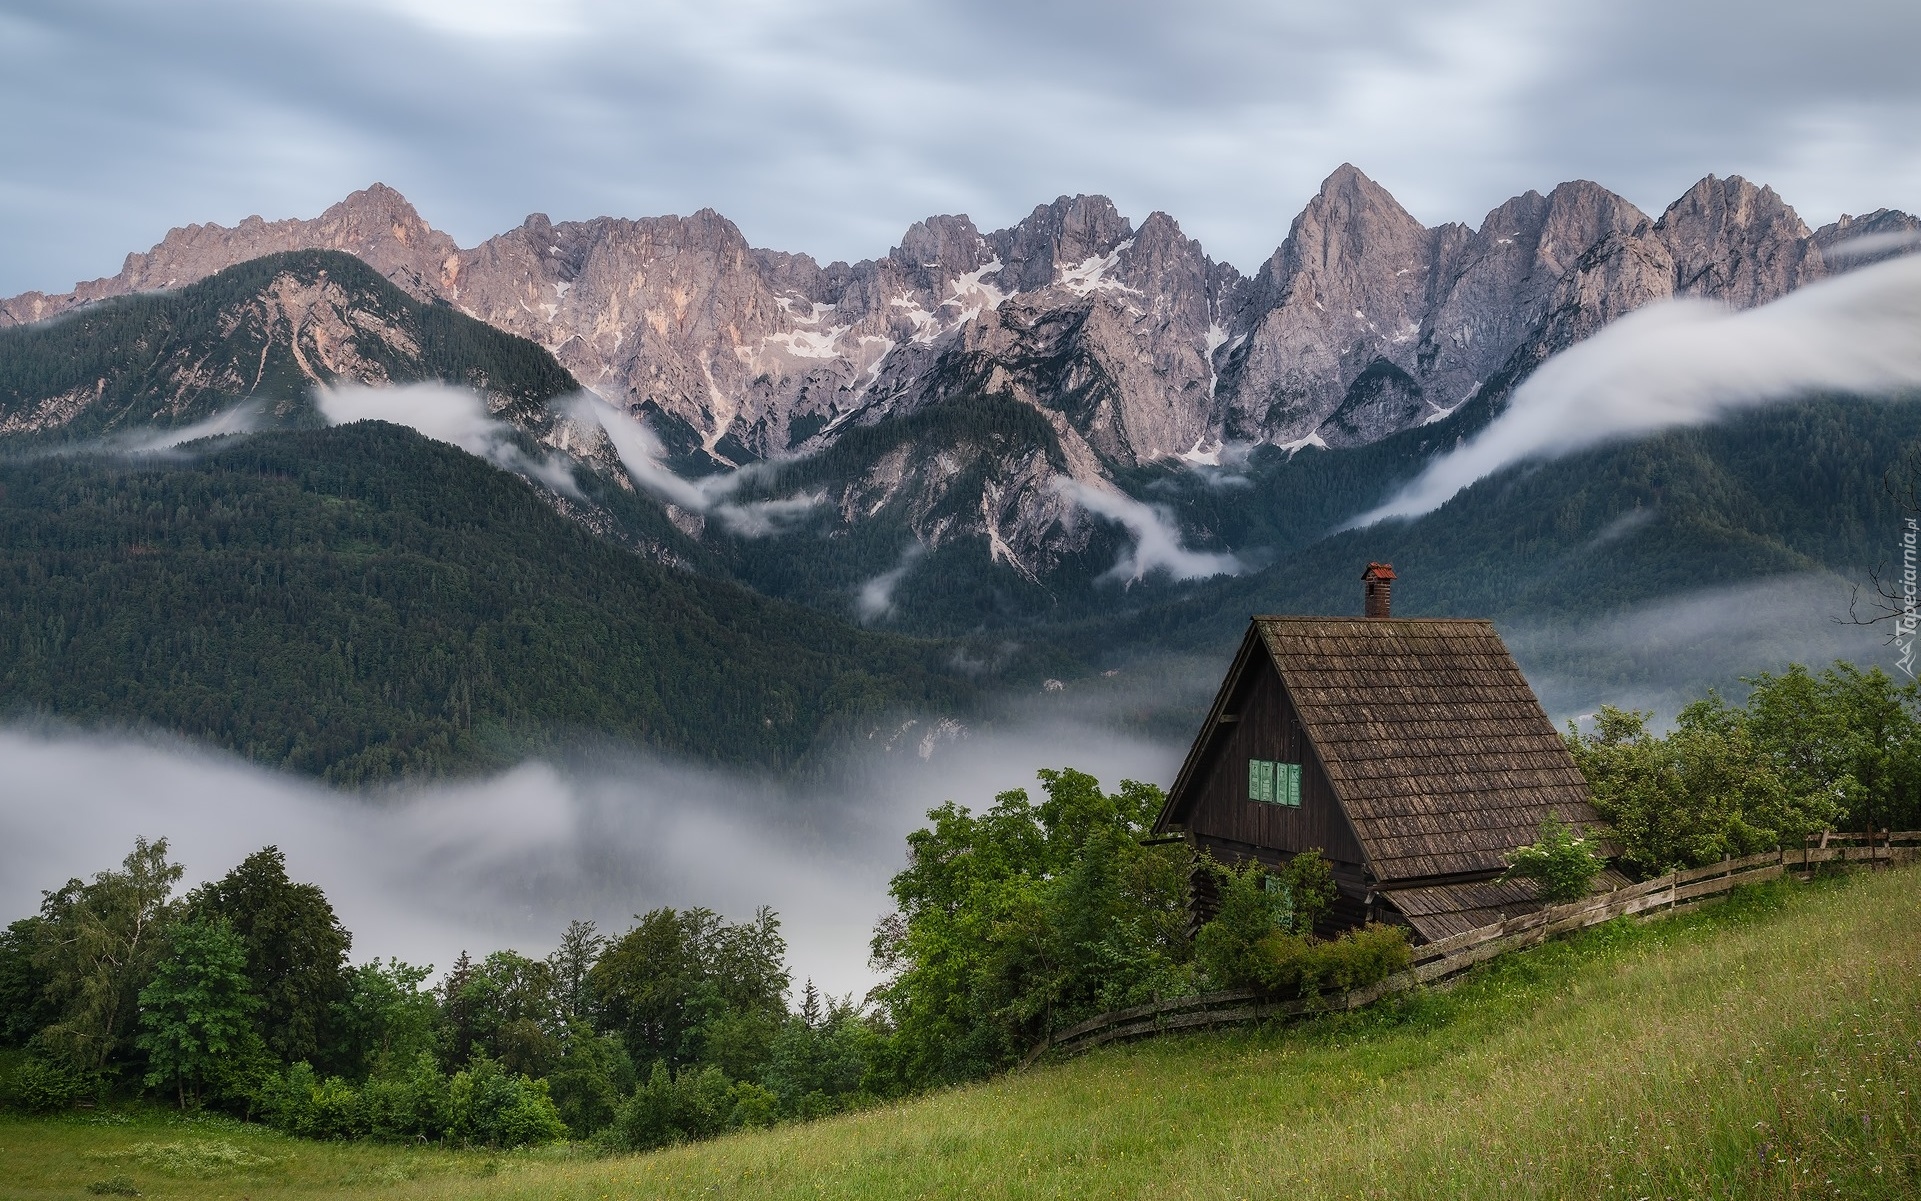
pixel 447 414
pixel 1157 544
pixel 875 597
pixel 641 454
pixel 828 127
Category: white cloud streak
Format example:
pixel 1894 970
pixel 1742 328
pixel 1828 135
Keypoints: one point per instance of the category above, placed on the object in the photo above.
pixel 447 414
pixel 641 454
pixel 1686 363
pixel 875 600
pixel 243 419
pixel 1157 539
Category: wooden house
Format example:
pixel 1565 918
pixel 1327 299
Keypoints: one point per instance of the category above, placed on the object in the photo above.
pixel 1411 752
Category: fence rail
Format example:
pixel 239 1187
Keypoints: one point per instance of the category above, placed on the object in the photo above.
pixel 1446 958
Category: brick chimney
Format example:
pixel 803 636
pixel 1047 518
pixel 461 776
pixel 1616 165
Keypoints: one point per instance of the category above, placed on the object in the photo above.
pixel 1377 587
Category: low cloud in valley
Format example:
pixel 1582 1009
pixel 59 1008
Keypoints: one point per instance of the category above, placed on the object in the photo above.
pixel 1689 362
pixel 447 414
pixel 424 871
pixel 1157 543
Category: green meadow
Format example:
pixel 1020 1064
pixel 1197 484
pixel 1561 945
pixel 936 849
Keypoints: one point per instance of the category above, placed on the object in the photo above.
pixel 1769 1046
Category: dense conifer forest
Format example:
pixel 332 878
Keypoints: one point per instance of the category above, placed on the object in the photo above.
pixel 362 602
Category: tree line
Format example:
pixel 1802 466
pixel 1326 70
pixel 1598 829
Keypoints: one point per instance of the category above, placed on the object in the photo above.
pixel 240 995
pixel 1011 923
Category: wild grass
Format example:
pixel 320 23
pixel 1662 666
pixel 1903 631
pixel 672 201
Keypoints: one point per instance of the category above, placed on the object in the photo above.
pixel 1766 1047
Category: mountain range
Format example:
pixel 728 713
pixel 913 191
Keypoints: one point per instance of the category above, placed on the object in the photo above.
pixel 1136 349
pixel 1042 451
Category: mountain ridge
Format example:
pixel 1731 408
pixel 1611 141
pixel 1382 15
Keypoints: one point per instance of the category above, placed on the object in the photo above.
pixel 1135 347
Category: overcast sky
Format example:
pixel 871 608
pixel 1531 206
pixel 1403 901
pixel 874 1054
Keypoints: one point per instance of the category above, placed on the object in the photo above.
pixel 827 126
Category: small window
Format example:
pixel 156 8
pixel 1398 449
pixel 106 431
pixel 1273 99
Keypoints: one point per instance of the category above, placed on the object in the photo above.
pixel 1274 783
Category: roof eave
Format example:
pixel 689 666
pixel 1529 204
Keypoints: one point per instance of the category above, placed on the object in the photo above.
pixel 1172 809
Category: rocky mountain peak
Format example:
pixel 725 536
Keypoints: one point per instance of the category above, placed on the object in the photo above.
pixel 1347 287
pixel 1857 241
pixel 1733 241
pixel 933 250
pixel 1351 221
pixel 1066 233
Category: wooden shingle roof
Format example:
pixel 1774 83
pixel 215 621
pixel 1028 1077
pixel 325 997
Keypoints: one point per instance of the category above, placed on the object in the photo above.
pixel 1433 740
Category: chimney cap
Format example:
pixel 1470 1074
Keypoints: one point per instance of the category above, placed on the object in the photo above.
pixel 1379 571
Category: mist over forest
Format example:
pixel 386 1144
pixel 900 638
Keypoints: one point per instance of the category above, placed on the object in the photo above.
pixel 425 870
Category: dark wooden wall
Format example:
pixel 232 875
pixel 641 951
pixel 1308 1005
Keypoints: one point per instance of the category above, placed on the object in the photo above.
pixel 1222 816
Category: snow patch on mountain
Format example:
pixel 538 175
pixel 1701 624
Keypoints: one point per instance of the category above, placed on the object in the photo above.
pixel 1090 274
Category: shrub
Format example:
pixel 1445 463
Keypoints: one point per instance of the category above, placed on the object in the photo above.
pixel 489 1106
pixel 302 1102
pixel 693 1104
pixel 1354 960
pixel 409 1104
pixel 40 1085
pixel 1562 864
pixel 1261 936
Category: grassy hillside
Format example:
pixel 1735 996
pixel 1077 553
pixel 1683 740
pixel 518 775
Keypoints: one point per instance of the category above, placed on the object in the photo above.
pixel 358 602
pixel 1769 1047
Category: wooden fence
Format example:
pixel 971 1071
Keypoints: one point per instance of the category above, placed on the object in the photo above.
pixel 1441 961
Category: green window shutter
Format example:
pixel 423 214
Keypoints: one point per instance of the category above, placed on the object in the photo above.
pixel 1261 780
pixel 1289 787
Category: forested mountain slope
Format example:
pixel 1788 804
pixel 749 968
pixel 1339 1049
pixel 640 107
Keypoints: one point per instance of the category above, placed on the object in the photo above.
pixel 362 601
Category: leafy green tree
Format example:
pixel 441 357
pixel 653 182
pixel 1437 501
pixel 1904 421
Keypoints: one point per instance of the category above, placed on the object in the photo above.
pixel 195 1013
pixel 387 1017
pixel 296 951
pixel 1024 919
pixel 1713 787
pixel 24 1005
pixel 822 1059
pixel 502 1008
pixel 670 983
pixel 1562 863
pixel 1846 743
pixel 99 942
pixel 592 1078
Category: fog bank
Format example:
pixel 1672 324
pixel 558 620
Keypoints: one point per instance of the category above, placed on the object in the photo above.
pixel 423 871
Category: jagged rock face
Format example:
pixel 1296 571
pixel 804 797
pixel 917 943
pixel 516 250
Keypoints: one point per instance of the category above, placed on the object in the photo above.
pixel 1348 287
pixel 1112 346
pixel 1494 291
pixel 1132 344
pixel 1857 241
pixel 1736 243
